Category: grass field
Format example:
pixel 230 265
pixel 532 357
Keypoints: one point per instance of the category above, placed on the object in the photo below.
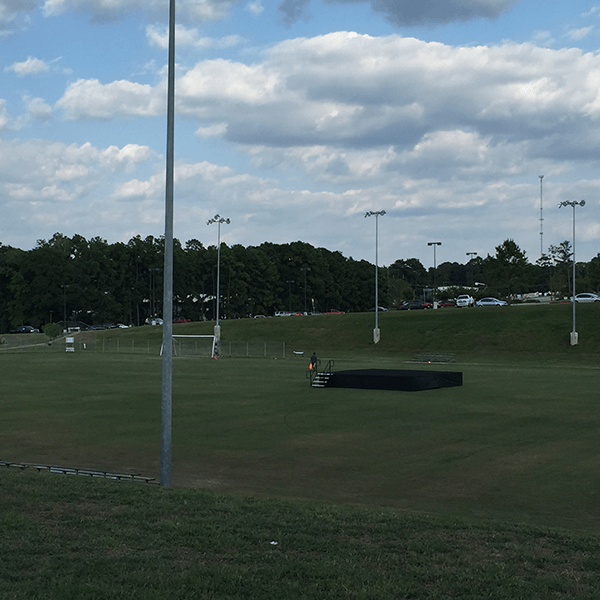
pixel 517 444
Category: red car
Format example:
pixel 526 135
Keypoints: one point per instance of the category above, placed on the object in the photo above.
pixel 181 320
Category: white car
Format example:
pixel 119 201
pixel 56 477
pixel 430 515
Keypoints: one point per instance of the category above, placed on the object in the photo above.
pixel 465 300
pixel 490 302
pixel 585 297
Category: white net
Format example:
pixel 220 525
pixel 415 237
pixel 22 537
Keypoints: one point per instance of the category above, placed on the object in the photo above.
pixel 193 345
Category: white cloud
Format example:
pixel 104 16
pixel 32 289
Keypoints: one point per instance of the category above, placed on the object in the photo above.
pixel 255 8
pixel 90 99
pixel 31 66
pixel 192 10
pixel 579 34
pixel 158 37
pixel 350 91
pixel 38 109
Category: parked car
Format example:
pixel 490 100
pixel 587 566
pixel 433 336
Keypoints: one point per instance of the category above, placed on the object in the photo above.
pixel 334 312
pixel 465 300
pixel 585 297
pixel 490 302
pixel 181 320
pixel 416 305
pixel 446 303
pixel 25 329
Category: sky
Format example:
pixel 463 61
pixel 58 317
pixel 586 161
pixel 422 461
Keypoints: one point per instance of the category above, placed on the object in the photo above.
pixel 294 118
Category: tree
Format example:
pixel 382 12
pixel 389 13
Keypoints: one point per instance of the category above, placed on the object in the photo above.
pixel 509 268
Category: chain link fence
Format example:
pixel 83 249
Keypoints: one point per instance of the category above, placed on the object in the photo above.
pixel 90 342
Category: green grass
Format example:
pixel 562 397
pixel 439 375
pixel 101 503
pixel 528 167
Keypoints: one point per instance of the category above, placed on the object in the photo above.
pixel 346 481
pixel 69 537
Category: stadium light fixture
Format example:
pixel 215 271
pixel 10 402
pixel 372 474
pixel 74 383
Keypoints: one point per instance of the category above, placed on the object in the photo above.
pixel 574 338
pixel 376 214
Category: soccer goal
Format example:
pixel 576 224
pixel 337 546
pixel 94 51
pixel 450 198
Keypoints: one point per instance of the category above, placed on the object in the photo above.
pixel 193 345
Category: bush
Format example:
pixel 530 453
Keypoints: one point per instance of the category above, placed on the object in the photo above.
pixel 52 330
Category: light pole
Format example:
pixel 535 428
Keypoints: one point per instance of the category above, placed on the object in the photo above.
pixel 541 219
pixel 434 244
pixel 471 255
pixel 376 214
pixel 305 269
pixel 218 219
pixel 574 338
pixel 64 287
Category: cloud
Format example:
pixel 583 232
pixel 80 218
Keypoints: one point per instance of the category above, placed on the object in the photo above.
pixel 89 99
pixel 350 91
pixel 31 66
pixel 158 37
pixel 49 186
pixel 255 8
pixel 199 11
pixel 9 9
pixel 293 10
pixel 408 12
pixel 579 34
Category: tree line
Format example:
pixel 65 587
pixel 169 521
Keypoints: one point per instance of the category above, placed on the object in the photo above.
pixel 93 282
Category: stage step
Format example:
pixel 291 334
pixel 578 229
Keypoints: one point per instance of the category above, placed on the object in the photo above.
pixel 321 379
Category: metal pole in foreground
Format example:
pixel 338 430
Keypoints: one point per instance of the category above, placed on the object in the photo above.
pixel 376 214
pixel 167 357
pixel 574 338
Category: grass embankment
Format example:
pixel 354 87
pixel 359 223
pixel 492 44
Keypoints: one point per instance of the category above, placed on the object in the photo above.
pixel 517 444
pixel 519 329
pixel 69 537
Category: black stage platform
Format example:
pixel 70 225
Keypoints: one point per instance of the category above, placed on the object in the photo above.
pixel 385 379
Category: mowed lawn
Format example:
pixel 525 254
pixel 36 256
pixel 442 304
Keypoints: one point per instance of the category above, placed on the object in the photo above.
pixel 517 442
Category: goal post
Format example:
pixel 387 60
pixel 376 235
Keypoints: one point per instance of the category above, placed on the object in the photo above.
pixel 193 345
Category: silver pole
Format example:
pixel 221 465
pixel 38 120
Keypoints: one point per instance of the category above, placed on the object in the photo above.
pixel 218 269
pixel 218 219
pixel 167 357
pixel 574 336
pixel 376 214
pixel 433 294
pixel 573 278
pixel 541 219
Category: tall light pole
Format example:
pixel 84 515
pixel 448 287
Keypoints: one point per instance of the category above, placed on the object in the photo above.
pixel 218 219
pixel 574 338
pixel 289 282
pixel 541 219
pixel 471 255
pixel 434 244
pixel 305 269
pixel 376 214
pixel 166 405
pixel 64 287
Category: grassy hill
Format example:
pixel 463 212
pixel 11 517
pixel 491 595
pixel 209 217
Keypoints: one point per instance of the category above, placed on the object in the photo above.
pixel 488 490
pixel 529 329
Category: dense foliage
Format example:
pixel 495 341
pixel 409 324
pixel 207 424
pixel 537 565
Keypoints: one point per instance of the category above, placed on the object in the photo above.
pixel 92 281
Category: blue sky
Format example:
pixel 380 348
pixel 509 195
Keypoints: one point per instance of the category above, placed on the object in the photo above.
pixel 295 117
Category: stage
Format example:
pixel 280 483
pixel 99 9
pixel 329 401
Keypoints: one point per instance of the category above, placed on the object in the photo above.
pixel 387 379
